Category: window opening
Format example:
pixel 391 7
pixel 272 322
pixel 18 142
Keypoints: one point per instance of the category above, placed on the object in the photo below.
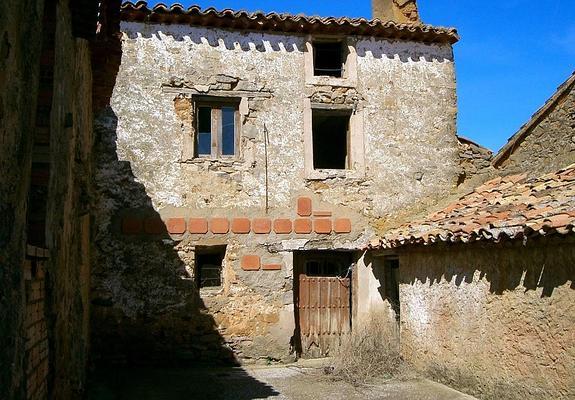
pixel 209 264
pixel 328 264
pixel 328 59
pixel 217 128
pixel 330 130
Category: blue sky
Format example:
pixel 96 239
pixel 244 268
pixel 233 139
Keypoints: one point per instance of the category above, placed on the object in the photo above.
pixel 512 55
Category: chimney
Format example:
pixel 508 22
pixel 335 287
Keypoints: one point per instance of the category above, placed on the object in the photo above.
pixel 398 11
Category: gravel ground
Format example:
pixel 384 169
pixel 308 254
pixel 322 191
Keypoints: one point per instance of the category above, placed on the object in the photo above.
pixel 293 382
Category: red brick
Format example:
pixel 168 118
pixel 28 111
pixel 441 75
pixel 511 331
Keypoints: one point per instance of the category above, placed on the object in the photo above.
pixel 262 225
pixel 132 225
pixel 220 225
pixel 304 206
pixel 342 225
pixel 154 226
pixel 198 225
pixel 176 226
pixel 251 263
pixel 272 267
pixel 241 225
pixel 282 226
pixel 302 225
pixel 324 214
pixel 322 226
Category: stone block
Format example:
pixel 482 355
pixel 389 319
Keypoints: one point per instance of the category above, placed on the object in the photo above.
pixel 241 225
pixel 198 225
pixel 132 225
pixel 272 267
pixel 304 206
pixel 220 225
pixel 176 226
pixel 322 226
pixel 154 226
pixel 262 225
pixel 282 226
pixel 251 263
pixel 302 225
pixel 342 225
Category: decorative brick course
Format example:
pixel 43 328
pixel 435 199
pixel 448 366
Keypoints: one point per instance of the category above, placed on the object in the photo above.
pixel 282 226
pixel 323 214
pixel 219 225
pixel 154 226
pixel 198 226
pixel 304 206
pixel 241 225
pixel 262 225
pixel 302 225
pixel 132 225
pixel 342 225
pixel 176 226
pixel 251 263
pixel 272 267
pixel 322 226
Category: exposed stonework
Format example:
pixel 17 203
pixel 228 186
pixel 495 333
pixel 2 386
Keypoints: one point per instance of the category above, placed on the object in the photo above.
pixel 475 162
pixel 147 170
pixel 546 143
pixel 400 11
pixel 494 321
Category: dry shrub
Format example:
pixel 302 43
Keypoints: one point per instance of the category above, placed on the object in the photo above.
pixel 370 352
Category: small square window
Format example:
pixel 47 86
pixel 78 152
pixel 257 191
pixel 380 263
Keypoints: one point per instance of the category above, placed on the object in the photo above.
pixel 330 130
pixel 209 263
pixel 217 129
pixel 328 59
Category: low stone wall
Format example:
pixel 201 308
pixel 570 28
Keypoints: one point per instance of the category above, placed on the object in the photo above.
pixel 495 321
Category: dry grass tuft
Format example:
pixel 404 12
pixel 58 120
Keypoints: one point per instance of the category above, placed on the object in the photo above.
pixel 370 352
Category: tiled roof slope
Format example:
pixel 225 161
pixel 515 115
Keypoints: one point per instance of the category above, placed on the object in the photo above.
pixel 194 15
pixel 512 207
pixel 515 140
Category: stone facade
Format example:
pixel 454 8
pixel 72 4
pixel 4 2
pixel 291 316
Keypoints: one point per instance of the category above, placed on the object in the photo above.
pixel 493 320
pixel 158 204
pixel 546 143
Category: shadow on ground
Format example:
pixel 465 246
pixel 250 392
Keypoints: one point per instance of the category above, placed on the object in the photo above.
pixel 177 383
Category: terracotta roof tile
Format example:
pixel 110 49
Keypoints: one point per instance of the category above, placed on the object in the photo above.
pixel 195 15
pixel 527 207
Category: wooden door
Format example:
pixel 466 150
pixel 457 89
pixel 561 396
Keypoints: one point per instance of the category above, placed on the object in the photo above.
pixel 323 305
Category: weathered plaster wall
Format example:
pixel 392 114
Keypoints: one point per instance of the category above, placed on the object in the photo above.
pixel 406 95
pixel 19 66
pixel 494 321
pixel 550 144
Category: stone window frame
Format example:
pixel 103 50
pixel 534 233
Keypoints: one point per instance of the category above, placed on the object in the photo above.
pixel 349 78
pixel 356 163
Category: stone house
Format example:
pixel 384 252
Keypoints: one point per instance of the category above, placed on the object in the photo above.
pixel 244 162
pixel 484 287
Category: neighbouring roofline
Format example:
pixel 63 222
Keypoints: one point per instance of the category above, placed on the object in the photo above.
pixel 526 129
pixel 465 140
pixel 275 22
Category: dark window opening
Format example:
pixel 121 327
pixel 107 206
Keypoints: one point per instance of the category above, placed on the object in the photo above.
pixel 328 59
pixel 391 284
pixel 209 263
pixel 216 124
pixel 327 264
pixel 330 139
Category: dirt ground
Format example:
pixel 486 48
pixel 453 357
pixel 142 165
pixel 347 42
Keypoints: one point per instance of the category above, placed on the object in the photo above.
pixel 294 382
